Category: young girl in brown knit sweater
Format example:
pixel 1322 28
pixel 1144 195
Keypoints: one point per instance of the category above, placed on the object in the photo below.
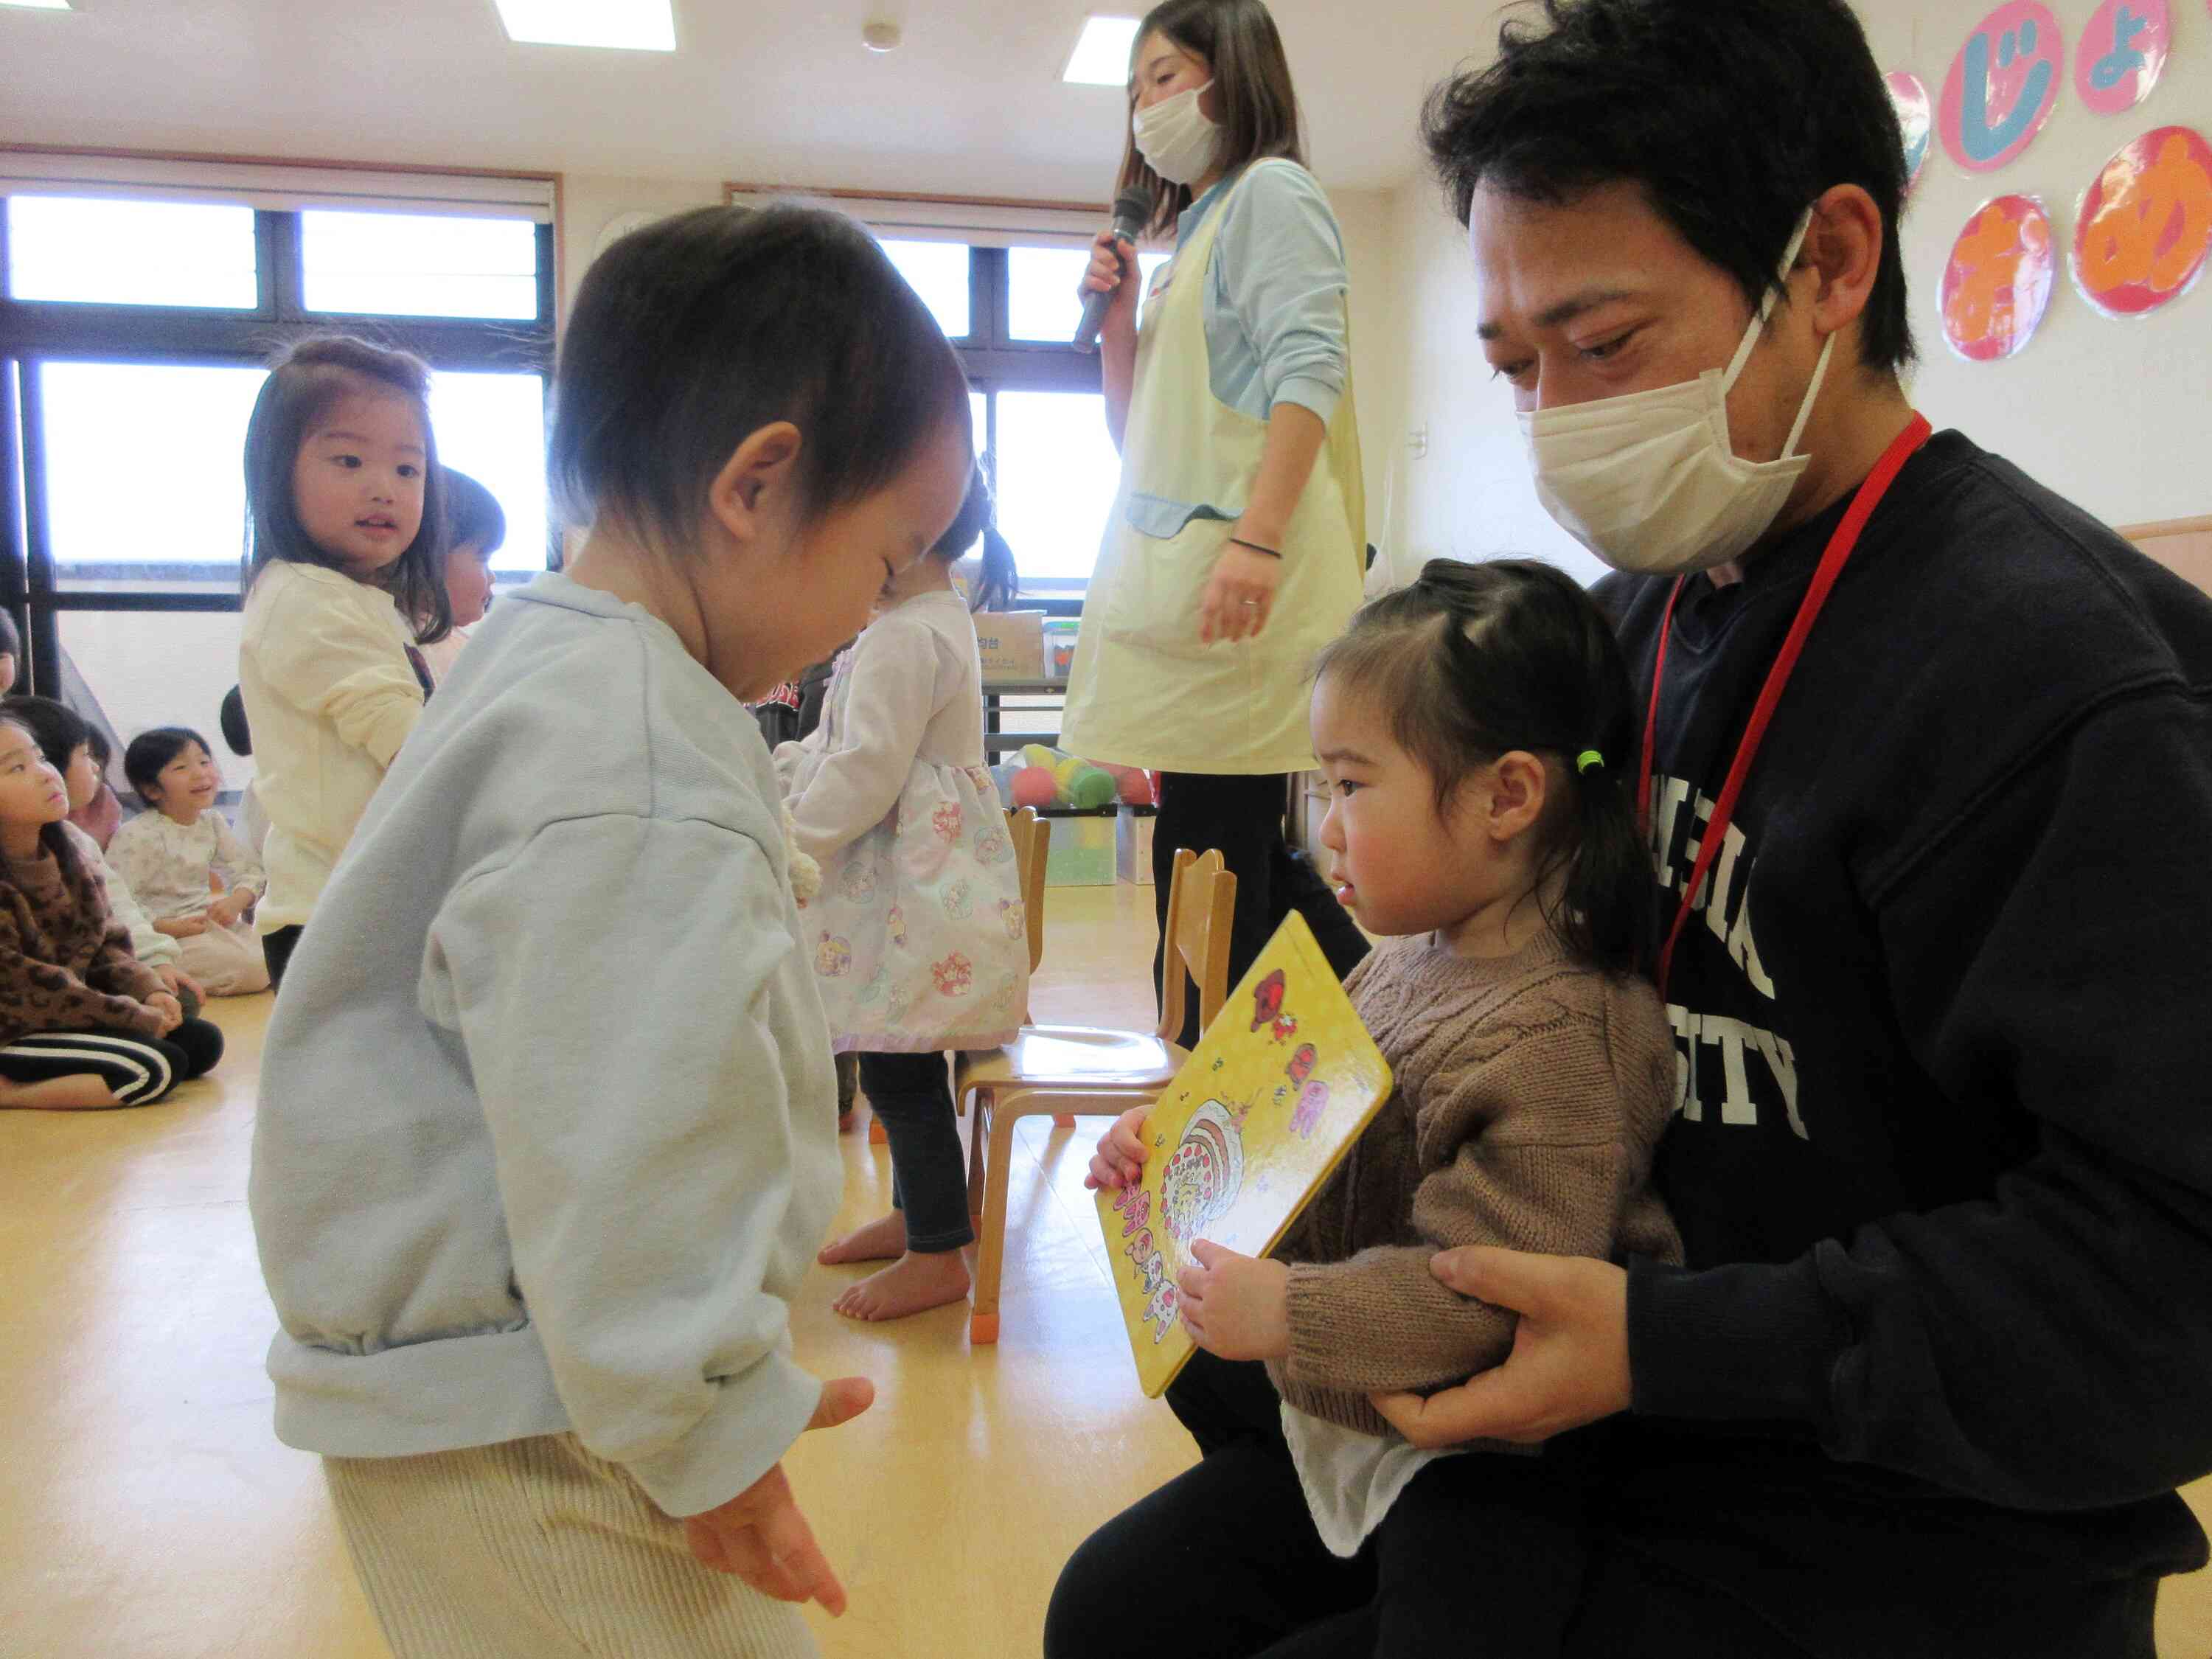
pixel 82 1021
pixel 1472 728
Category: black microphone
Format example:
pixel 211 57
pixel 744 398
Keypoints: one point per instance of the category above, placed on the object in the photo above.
pixel 1133 212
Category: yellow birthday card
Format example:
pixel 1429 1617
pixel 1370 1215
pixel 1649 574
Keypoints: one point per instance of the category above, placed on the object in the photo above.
pixel 1278 1090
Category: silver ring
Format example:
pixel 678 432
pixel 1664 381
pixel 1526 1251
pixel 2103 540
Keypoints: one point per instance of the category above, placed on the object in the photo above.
pixel 1254 603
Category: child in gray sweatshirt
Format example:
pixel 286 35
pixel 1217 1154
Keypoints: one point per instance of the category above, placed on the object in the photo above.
pixel 545 1140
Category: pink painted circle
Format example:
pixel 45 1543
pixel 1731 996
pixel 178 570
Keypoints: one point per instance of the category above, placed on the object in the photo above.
pixel 1997 284
pixel 2003 86
pixel 2123 54
pixel 2144 231
pixel 1915 119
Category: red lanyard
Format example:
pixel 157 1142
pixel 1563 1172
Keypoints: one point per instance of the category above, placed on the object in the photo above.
pixel 1840 546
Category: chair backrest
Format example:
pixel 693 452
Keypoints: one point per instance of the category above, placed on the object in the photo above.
pixel 1201 902
pixel 1032 839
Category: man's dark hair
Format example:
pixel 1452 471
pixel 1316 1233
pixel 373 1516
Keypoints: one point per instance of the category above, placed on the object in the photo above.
pixel 1666 94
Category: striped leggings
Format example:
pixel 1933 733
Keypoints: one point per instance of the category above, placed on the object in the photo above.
pixel 535 1549
pixel 138 1070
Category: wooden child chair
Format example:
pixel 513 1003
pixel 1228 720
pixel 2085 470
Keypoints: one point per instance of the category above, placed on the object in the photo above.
pixel 1065 1069
pixel 1032 839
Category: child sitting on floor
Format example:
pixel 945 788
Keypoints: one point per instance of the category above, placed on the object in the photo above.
pixel 83 1022
pixel 186 865
pixel 70 744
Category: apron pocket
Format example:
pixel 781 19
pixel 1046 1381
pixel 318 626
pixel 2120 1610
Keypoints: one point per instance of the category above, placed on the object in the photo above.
pixel 1155 602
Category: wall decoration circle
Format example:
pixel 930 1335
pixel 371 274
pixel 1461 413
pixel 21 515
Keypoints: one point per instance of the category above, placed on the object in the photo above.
pixel 1916 119
pixel 1998 284
pixel 2003 86
pixel 2123 54
pixel 2144 226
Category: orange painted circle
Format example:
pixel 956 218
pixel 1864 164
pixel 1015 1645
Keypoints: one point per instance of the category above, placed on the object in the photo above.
pixel 2144 227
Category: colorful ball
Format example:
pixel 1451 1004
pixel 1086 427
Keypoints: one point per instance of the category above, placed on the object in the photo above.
pixel 1137 786
pixel 1035 787
pixel 1037 754
pixel 1090 789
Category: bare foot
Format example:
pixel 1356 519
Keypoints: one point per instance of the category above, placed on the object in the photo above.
pixel 879 1240
pixel 908 1285
pixel 81 1092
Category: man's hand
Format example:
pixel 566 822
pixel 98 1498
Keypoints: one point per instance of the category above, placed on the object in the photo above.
pixel 760 1534
pixel 1236 1306
pixel 1570 1361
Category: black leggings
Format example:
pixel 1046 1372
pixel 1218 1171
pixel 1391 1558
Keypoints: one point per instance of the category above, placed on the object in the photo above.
pixel 138 1070
pixel 911 1096
pixel 1243 817
pixel 277 950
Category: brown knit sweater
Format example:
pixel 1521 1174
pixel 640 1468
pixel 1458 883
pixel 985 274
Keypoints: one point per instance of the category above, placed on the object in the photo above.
pixel 1530 1094
pixel 65 963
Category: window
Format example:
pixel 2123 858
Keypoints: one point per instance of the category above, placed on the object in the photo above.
pixel 133 334
pixel 418 265
pixel 1040 290
pixel 88 250
pixel 143 485
pixel 492 426
pixel 938 273
pixel 1058 471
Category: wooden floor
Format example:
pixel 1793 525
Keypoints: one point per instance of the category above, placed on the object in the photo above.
pixel 147 1510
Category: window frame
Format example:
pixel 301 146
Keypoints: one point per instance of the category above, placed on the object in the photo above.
pixel 993 361
pixel 35 333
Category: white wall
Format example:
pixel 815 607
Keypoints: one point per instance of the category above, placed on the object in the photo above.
pixel 2113 415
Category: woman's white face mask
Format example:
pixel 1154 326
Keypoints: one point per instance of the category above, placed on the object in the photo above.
pixel 1649 482
pixel 1175 138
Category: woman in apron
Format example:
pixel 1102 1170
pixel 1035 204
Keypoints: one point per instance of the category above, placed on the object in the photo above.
pixel 1233 552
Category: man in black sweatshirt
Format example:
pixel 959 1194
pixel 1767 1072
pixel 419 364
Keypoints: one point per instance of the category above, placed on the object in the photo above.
pixel 1943 990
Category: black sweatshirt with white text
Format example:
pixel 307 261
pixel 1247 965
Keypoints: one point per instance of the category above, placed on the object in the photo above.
pixel 1942 1154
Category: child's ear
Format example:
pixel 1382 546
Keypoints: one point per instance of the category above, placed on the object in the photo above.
pixel 1518 787
pixel 760 476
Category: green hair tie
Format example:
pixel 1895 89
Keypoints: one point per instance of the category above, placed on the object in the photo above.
pixel 1589 761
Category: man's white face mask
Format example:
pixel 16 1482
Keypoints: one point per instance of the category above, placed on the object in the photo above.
pixel 1649 483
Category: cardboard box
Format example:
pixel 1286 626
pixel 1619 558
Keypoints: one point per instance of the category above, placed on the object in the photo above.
pixel 1132 844
pixel 1082 853
pixel 1012 643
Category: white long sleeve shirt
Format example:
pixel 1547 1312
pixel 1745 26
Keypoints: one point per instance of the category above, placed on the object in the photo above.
pixel 330 695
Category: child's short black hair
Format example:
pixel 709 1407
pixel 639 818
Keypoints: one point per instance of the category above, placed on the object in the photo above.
pixel 305 380
pixel 1655 93
pixel 691 334
pixel 1473 661
pixel 102 752
pixel 473 517
pixel 58 729
pixel 149 751
pixel 235 732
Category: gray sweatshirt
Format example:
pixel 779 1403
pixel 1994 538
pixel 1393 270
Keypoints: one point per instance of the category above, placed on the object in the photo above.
pixel 546 1138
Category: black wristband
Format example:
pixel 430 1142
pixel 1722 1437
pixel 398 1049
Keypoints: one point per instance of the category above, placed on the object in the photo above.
pixel 1272 552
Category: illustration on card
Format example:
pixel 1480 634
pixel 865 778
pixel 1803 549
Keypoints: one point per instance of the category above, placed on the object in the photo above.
pixel 1282 1083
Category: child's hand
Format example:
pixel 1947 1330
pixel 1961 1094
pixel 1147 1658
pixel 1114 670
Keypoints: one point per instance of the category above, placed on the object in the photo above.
pixel 230 906
pixel 1122 1152
pixel 182 926
pixel 178 983
pixel 171 1011
pixel 1236 1306
pixel 760 1534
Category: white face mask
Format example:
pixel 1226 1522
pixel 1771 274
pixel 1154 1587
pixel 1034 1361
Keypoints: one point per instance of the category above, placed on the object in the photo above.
pixel 1176 139
pixel 1649 483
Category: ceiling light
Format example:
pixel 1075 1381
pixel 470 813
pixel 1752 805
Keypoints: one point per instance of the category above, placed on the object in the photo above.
pixel 633 25
pixel 1101 58
pixel 39 5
